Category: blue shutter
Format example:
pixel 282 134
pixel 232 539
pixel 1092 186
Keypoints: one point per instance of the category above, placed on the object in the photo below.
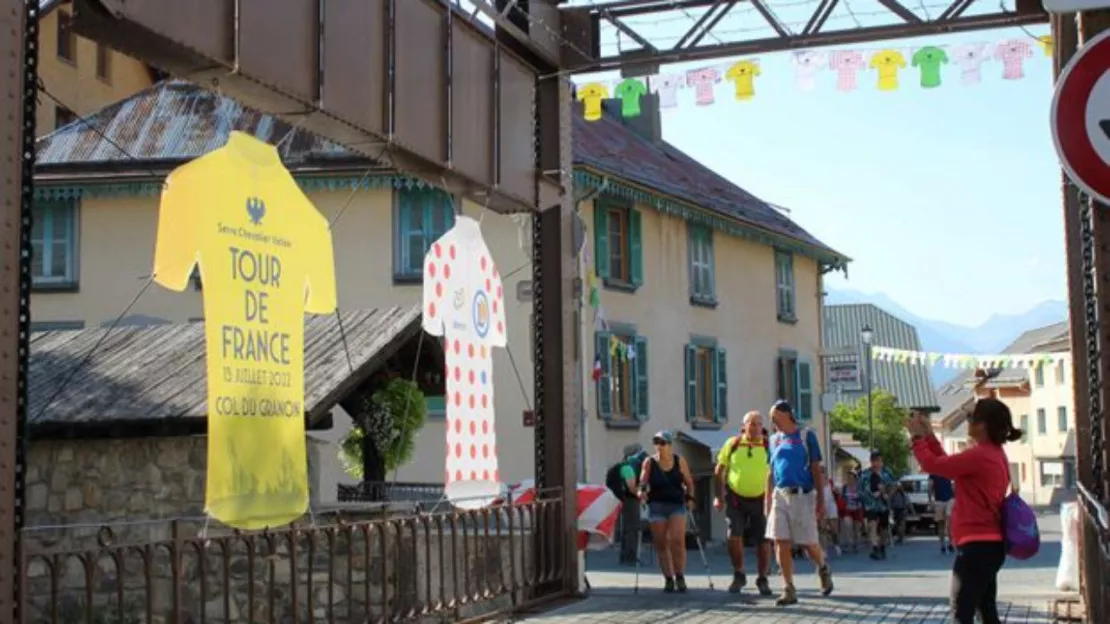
pixel 805 392
pixel 720 399
pixel 401 225
pixel 691 258
pixel 601 239
pixel 641 368
pixel 691 383
pixel 635 248
pixel 603 386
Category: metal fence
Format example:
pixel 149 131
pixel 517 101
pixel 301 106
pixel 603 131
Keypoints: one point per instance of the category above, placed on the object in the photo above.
pixel 1095 556
pixel 378 491
pixel 453 565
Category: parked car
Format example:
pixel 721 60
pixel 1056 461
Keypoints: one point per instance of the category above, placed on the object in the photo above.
pixel 919 514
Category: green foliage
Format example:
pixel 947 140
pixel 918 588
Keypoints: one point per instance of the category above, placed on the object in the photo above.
pixel 891 438
pixel 391 417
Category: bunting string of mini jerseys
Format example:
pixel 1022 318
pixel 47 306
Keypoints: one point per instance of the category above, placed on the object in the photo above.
pixel 844 70
pixel 969 361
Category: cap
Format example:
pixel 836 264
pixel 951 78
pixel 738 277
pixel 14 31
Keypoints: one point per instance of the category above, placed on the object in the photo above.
pixel 782 406
pixel 631 449
pixel 664 436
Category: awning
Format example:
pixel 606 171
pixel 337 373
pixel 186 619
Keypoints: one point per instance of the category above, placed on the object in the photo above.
pixel 712 440
pixel 858 453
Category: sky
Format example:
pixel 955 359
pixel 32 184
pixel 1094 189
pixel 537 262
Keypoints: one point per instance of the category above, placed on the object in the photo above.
pixel 947 199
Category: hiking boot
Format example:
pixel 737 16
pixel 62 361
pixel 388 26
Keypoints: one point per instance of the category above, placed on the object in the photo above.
pixel 825 574
pixel 882 552
pixel 739 580
pixel 875 553
pixel 668 586
pixel 680 584
pixel 763 586
pixel 788 597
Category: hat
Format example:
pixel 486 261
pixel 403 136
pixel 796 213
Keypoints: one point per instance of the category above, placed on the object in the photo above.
pixel 665 436
pixel 782 406
pixel 631 449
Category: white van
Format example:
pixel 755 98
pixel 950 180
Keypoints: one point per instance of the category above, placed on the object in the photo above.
pixel 919 514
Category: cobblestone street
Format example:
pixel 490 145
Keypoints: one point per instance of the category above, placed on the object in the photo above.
pixel 911 586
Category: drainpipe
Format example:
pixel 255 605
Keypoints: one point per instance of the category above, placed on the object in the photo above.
pixel 830 461
pixel 585 364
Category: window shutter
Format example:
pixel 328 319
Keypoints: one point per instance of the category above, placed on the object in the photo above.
pixel 691 383
pixel 603 386
pixel 691 257
pixel 805 393
pixel 780 378
pixel 720 399
pixel 601 239
pixel 401 227
pixel 641 363
pixel 710 266
pixel 635 247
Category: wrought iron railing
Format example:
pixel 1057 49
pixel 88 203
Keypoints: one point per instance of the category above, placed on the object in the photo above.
pixel 377 491
pixel 454 565
pixel 1095 555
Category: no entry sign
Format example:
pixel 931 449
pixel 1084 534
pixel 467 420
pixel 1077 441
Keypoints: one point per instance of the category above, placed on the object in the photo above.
pixel 1081 118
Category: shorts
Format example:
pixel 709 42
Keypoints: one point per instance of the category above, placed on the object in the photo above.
pixel 745 517
pixel 661 512
pixel 880 517
pixel 793 518
pixel 942 511
pixel 856 515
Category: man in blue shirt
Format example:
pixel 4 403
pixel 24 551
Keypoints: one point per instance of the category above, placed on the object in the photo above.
pixel 942 496
pixel 795 499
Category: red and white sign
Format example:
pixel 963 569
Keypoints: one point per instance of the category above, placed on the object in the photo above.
pixel 598 511
pixel 1081 118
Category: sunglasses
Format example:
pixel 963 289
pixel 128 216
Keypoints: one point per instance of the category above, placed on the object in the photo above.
pixel 658 442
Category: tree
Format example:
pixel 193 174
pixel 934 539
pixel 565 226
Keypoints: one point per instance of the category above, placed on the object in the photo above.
pixel 384 436
pixel 889 418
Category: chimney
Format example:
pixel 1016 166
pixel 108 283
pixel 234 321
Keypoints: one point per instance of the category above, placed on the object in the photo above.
pixel 648 124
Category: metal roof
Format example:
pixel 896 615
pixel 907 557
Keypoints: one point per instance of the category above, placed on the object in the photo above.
pixel 172 122
pixel 908 382
pixel 610 146
pixel 156 375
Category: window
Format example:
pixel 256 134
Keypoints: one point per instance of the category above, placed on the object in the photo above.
pixel 617 243
pixel 43 326
pixel 1062 418
pixel 54 245
pixel 420 217
pixel 67 37
pixel 794 383
pixel 699 243
pixel 63 117
pixel 1061 373
pixel 1038 373
pixel 784 285
pixel 103 62
pixel 1025 427
pixel 1052 474
pixel 621 361
pixel 706 384
pixel 1042 421
pixel 1069 474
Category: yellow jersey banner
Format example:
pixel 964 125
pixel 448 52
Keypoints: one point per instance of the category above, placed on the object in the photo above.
pixel 265 258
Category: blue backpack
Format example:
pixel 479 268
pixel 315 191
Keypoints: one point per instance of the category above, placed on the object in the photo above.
pixel 1019 528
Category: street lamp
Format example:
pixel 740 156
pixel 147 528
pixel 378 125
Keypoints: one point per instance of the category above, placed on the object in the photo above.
pixel 867 335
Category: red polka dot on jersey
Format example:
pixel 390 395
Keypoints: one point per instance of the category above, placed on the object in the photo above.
pixel 500 327
pixel 458 398
pixel 473 451
pixel 458 475
pixel 458 425
pixel 458 450
pixel 470 350
pixel 447 271
pixel 472 401
pixel 451 251
pixel 439 293
pixel 498 292
pixel 485 451
pixel 458 373
pixel 438 251
pixel 485 401
pixel 489 285
pixel 431 269
pixel 471 377
pixel 432 309
pixel 494 305
pixel 473 427
pixel 485 423
pixel 483 263
pixel 473 475
pixel 458 347
pixel 485 475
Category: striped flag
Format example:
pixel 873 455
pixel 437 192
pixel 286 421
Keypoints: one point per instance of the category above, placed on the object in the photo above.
pixel 598 511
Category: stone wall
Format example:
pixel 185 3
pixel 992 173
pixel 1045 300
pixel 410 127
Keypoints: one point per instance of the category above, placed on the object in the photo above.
pixel 340 565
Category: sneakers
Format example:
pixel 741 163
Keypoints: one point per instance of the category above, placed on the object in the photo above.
pixel 680 584
pixel 763 586
pixel 788 597
pixel 739 580
pixel 825 574
pixel 668 586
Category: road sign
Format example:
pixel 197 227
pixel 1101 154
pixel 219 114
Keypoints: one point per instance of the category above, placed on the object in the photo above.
pixel 1081 118
pixel 1074 6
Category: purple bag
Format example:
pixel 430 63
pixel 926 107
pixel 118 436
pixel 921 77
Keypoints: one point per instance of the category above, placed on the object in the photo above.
pixel 1019 528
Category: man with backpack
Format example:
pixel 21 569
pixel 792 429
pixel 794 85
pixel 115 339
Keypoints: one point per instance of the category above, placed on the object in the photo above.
pixel 875 487
pixel 622 480
pixel 742 467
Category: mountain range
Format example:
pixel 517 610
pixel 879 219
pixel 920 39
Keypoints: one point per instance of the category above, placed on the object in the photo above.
pixel 992 336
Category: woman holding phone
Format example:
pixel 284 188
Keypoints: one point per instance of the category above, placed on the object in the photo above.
pixel 982 477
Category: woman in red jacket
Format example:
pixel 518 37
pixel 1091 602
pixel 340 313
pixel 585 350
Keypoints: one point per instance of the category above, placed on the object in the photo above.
pixel 982 478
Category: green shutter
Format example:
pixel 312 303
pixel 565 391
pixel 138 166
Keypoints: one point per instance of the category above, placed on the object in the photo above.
pixel 805 392
pixel 691 256
pixel 641 364
pixel 601 239
pixel 720 399
pixel 691 383
pixel 635 247
pixel 710 266
pixel 603 386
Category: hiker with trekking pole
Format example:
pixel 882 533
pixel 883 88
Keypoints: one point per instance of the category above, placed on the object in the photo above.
pixel 741 474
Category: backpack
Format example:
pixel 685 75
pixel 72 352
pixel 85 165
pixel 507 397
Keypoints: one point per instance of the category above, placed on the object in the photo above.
pixel 1019 528
pixel 616 483
pixel 804 433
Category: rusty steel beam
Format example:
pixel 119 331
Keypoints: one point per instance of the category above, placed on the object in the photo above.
pixel 908 24
pixel 392 79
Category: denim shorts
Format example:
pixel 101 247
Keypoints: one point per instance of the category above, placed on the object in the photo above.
pixel 661 512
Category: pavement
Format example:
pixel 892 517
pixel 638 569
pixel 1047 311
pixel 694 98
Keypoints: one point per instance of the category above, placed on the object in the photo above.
pixel 911 586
